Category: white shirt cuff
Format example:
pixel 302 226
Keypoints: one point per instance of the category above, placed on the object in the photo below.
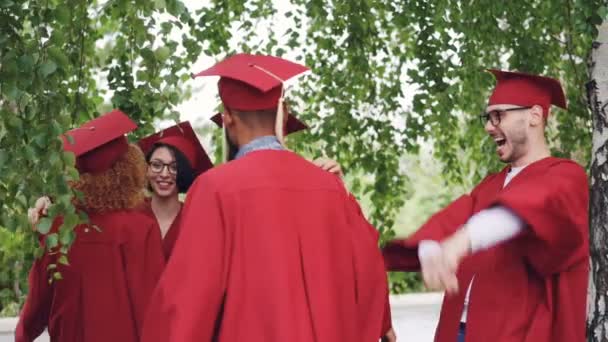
pixel 492 226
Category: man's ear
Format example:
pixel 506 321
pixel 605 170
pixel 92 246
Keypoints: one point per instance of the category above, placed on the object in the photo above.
pixel 538 117
pixel 228 117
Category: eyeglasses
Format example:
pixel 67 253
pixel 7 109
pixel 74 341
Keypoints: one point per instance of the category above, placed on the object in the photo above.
pixel 157 167
pixel 494 116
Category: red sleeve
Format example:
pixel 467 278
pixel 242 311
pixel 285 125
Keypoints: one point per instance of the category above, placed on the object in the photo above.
pixel 34 316
pixel 144 262
pixel 402 254
pixel 556 211
pixel 188 299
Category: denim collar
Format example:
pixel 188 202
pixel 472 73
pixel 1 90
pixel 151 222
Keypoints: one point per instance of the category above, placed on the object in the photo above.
pixel 269 142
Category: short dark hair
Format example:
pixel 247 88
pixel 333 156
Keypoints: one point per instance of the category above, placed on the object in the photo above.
pixel 185 173
pixel 257 118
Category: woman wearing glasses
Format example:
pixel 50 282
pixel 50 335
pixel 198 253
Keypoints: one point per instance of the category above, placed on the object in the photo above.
pixel 175 158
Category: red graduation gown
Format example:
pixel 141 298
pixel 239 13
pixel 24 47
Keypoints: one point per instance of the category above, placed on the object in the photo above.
pixel 172 233
pixel 106 288
pixel 271 248
pixel 532 288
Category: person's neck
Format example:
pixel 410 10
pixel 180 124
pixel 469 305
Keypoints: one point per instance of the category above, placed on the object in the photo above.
pixel 535 154
pixel 250 135
pixel 165 206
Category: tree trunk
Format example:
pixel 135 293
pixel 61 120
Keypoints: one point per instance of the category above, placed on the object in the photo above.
pixel 597 90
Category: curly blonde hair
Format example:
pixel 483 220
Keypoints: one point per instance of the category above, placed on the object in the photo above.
pixel 120 187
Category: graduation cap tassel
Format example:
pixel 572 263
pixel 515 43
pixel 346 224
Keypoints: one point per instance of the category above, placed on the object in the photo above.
pixel 279 129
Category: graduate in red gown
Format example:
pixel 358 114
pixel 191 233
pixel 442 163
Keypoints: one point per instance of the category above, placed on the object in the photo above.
pixel 271 248
pixel 513 254
pixel 105 290
pixel 175 157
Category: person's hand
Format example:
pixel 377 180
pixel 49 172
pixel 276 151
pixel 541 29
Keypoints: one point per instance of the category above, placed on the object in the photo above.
pixel 40 209
pixel 437 273
pixel 390 336
pixel 456 247
pixel 329 165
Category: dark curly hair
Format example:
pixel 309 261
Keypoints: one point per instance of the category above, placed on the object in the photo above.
pixel 185 173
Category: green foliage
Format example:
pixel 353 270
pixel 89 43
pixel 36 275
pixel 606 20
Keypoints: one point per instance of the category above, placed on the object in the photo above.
pixel 401 282
pixel 15 256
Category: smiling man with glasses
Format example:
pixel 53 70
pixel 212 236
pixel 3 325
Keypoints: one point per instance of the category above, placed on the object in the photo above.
pixel 513 254
pixel 494 116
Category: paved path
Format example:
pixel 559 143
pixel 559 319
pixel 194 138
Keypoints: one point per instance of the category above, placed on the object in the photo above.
pixel 414 318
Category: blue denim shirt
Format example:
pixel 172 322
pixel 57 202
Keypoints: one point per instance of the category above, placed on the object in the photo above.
pixel 269 142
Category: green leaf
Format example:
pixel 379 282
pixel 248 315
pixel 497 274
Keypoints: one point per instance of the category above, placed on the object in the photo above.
pixel 58 56
pixel 166 27
pixel 176 7
pixel 142 76
pixel 10 90
pixel 66 237
pixel 26 63
pixel 57 276
pixel 84 217
pixel 3 158
pixel 38 252
pixel 62 14
pixel 68 157
pixel 41 140
pixel 52 241
pixel 70 220
pixel 73 175
pixel 64 260
pixel 596 19
pixel 160 4
pixel 47 68
pixel 148 55
pixel 57 38
pixel 44 225
pixel 603 12
pixel 56 128
pixel 14 121
pixel 162 53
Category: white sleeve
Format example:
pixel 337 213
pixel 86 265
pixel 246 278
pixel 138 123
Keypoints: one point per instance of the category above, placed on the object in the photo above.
pixel 492 226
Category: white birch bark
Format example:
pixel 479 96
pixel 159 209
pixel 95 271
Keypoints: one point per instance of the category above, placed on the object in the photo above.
pixel 597 318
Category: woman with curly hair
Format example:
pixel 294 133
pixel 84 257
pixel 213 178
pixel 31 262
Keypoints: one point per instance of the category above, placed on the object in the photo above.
pixel 113 268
